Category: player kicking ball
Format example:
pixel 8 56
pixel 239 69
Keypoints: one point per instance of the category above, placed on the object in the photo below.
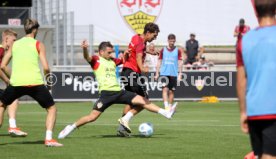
pixel 104 67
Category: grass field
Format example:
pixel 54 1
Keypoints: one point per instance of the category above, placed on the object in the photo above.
pixel 197 131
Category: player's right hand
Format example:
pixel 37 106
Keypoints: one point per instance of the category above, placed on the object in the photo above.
pixel 84 44
pixel 145 69
pixel 156 76
pixel 244 123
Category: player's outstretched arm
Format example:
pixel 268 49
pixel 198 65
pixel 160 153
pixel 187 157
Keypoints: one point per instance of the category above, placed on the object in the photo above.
pixel 84 46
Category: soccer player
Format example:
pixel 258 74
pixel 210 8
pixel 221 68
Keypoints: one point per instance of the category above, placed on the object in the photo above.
pixel 26 78
pixel 104 67
pixel 256 68
pixel 8 37
pixel 170 62
pixel 241 29
pixel 133 67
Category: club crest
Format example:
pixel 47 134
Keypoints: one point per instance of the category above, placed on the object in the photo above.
pixel 199 84
pixel 137 13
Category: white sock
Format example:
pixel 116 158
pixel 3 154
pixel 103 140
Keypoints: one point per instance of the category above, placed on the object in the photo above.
pixel 163 112
pixel 74 126
pixel 49 135
pixel 170 105
pixel 128 116
pixel 12 123
pixel 166 104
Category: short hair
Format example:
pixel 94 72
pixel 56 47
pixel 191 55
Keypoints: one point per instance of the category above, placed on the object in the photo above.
pixel 242 21
pixel 265 8
pixel 9 32
pixel 103 45
pixel 192 34
pixel 30 25
pixel 151 27
pixel 171 36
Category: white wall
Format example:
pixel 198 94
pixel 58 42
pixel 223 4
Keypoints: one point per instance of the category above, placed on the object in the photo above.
pixel 213 21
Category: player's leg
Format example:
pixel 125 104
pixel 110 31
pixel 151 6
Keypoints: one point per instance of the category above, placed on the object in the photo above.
pixel 2 110
pixel 165 97
pixel 139 101
pixel 172 87
pixel 269 139
pixel 93 116
pixel 105 100
pixel 7 97
pixel 265 156
pixel 255 133
pixel 13 129
pixel 44 98
pixel 130 78
pixel 165 89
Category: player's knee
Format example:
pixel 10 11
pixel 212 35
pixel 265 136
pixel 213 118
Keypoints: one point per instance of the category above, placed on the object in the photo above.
pixel 52 109
pixel 90 118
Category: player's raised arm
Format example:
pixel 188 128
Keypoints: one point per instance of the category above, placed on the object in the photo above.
pixel 84 46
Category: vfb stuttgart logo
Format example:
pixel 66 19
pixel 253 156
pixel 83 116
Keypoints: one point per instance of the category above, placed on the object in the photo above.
pixel 137 13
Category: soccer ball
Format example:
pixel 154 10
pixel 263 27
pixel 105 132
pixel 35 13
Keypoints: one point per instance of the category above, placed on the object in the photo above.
pixel 146 129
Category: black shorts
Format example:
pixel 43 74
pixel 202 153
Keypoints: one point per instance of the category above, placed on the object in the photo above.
pixel 169 81
pixel 134 82
pixel 39 93
pixel 107 98
pixel 263 136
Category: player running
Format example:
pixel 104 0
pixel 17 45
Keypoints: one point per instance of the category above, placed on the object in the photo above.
pixel 133 69
pixel 26 78
pixel 8 37
pixel 104 67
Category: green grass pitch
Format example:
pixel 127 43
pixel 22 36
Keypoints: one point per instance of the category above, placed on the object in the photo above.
pixel 197 131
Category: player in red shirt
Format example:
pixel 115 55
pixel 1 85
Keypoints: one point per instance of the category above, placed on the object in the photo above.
pixel 8 37
pixel 133 67
pixel 241 29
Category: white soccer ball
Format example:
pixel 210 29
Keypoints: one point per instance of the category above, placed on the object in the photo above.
pixel 146 129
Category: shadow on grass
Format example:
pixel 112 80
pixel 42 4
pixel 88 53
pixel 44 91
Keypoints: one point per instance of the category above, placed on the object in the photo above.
pixel 4 134
pixel 29 142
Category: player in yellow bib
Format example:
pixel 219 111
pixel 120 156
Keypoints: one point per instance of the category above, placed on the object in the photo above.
pixel 26 78
pixel 8 37
pixel 104 67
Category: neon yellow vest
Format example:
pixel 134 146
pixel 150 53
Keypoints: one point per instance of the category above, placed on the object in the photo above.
pixel 106 76
pixel 25 63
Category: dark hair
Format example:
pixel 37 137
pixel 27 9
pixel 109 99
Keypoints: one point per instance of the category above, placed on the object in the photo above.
pixel 242 21
pixel 103 45
pixel 30 25
pixel 265 8
pixel 171 36
pixel 151 27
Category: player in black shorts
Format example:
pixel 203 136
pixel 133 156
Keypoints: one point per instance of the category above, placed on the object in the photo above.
pixel 104 67
pixel 26 78
pixel 170 69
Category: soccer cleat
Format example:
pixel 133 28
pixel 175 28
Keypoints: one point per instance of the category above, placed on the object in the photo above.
pixel 125 125
pixel 121 131
pixel 172 110
pixel 52 143
pixel 16 132
pixel 65 132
